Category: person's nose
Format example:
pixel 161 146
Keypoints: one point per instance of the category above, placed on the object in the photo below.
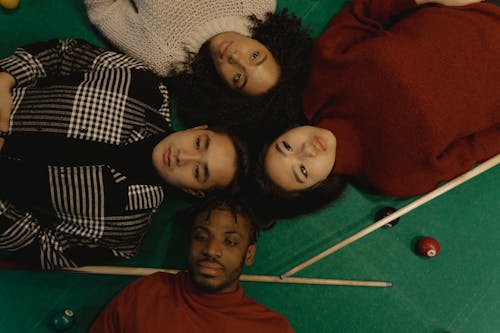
pixel 213 249
pixel 308 150
pixel 186 157
pixel 235 58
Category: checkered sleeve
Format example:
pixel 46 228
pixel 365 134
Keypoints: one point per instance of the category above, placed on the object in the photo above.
pixel 52 58
pixel 18 229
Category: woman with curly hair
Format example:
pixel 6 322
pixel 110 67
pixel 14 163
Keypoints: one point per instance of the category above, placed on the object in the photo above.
pixel 402 95
pixel 229 61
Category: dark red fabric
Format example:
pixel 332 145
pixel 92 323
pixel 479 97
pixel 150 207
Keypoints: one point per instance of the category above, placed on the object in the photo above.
pixel 165 302
pixel 7 264
pixel 411 93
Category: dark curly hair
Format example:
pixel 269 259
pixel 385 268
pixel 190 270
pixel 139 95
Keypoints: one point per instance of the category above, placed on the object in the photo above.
pixel 236 204
pixel 275 202
pixel 200 96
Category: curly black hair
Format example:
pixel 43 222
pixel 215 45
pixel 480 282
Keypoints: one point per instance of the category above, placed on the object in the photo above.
pixel 236 204
pixel 200 96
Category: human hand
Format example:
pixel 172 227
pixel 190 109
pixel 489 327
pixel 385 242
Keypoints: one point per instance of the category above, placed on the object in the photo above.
pixel 7 82
pixel 448 2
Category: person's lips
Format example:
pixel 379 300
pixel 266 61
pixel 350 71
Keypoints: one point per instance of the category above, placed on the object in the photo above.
pixel 319 143
pixel 166 157
pixel 209 268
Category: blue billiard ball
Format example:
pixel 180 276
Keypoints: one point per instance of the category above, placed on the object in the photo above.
pixel 64 320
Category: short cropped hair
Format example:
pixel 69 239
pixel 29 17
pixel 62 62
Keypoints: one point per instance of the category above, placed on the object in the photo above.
pixel 235 204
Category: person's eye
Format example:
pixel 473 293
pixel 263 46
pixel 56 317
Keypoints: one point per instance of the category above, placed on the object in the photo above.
pixel 237 77
pixel 254 55
pixel 200 237
pixel 287 146
pixel 196 171
pixel 197 143
pixel 231 243
pixel 303 170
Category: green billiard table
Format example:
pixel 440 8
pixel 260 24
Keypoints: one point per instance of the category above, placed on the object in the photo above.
pixel 457 291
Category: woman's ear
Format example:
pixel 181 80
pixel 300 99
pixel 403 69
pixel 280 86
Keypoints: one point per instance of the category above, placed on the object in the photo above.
pixel 196 193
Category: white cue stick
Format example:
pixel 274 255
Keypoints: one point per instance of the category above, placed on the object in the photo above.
pixel 142 271
pixel 408 208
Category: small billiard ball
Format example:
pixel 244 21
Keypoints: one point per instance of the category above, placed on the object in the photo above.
pixel 383 212
pixel 64 320
pixel 428 247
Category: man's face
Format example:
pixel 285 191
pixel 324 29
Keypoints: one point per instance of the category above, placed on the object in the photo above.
pixel 219 248
pixel 196 159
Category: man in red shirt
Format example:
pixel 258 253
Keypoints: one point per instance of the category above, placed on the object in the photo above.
pixel 206 298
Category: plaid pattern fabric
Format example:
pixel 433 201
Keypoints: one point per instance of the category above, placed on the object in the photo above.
pixel 78 91
pixel 77 195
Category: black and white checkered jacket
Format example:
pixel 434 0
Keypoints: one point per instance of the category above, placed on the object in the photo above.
pixel 71 89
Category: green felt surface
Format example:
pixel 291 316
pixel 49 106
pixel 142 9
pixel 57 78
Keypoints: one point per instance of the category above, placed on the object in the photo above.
pixel 457 292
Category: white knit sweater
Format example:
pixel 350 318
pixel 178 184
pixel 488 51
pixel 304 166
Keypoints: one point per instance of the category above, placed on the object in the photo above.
pixel 159 31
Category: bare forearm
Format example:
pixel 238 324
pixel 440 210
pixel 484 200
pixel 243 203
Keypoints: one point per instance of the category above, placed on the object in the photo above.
pixel 7 81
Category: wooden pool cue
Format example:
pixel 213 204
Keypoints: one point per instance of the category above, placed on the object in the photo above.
pixel 408 208
pixel 142 271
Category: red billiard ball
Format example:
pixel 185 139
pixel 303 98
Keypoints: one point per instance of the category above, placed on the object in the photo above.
pixel 428 247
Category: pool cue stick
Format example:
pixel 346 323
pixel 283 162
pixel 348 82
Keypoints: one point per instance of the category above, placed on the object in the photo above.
pixel 411 206
pixel 142 271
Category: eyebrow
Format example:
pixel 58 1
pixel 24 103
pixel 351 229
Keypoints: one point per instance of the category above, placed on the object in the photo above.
pixel 245 80
pixel 230 232
pixel 260 62
pixel 278 148
pixel 296 176
pixel 200 228
pixel 207 141
pixel 206 173
pixel 233 232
